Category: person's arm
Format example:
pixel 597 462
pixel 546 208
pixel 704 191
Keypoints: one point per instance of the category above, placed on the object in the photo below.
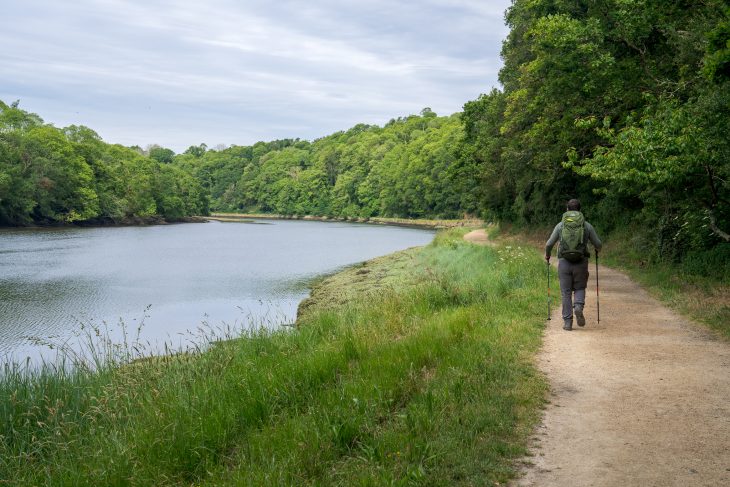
pixel 554 237
pixel 593 237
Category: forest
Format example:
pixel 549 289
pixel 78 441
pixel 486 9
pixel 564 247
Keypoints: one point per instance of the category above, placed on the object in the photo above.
pixel 50 176
pixel 624 104
pixel 408 168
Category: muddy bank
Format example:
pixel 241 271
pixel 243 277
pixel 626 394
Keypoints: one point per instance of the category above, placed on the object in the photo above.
pixel 354 282
pixel 402 222
pixel 115 222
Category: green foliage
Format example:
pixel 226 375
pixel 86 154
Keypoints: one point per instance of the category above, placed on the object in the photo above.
pixel 177 194
pixel 624 104
pixel 717 58
pixel 409 168
pixel 161 154
pixel 674 158
pixel 50 175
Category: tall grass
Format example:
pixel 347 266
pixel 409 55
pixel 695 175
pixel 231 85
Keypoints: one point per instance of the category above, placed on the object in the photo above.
pixel 698 285
pixel 430 384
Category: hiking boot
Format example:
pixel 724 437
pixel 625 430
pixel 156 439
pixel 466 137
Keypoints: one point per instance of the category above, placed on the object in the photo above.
pixel 568 326
pixel 580 319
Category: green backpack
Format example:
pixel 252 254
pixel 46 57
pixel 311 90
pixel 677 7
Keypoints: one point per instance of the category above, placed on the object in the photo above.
pixel 572 237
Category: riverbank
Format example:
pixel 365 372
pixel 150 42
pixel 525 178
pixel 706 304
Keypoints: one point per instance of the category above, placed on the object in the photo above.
pixel 136 221
pixel 427 379
pixel 361 281
pixel 403 222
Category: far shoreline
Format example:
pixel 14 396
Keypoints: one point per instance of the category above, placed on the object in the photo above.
pixel 399 222
pixel 432 224
pixel 108 222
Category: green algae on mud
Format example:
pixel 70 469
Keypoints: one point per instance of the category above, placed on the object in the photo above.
pixel 397 271
pixel 360 281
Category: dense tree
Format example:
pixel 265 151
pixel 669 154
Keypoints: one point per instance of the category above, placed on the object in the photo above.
pixel 50 175
pixel 409 168
pixel 675 159
pixel 161 154
pixel 623 103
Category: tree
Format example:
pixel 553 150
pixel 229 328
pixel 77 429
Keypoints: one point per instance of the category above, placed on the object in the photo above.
pixel 62 179
pixel 677 158
pixel 161 154
pixel 603 100
pixel 717 57
pixel 196 150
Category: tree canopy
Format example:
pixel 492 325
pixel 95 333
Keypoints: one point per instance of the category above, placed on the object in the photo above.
pixel 51 175
pixel 624 103
pixel 408 168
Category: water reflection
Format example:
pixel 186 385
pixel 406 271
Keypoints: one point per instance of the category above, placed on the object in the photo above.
pixel 173 278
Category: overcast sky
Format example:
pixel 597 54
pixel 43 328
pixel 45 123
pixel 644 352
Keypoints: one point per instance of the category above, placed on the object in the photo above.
pixel 178 73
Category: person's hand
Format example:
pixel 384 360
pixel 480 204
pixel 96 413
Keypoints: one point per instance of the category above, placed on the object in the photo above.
pixel 547 258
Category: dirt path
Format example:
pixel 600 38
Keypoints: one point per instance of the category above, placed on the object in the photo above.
pixel 478 237
pixel 641 399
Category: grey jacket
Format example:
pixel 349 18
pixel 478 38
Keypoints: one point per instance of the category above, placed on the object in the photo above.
pixel 555 236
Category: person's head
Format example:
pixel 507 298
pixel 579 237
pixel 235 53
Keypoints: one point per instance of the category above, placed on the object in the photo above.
pixel 573 205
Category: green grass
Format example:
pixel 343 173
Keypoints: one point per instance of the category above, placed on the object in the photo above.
pixel 430 383
pixel 698 287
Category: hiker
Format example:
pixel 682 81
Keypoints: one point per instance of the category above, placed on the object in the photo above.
pixel 574 233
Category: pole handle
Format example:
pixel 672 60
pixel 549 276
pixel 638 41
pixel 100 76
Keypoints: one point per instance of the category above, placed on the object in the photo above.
pixel 548 293
pixel 598 300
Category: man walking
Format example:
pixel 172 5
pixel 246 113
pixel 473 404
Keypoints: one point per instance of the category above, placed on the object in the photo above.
pixel 573 232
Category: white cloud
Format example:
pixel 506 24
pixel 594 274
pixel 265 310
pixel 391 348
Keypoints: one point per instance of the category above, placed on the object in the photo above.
pixel 180 73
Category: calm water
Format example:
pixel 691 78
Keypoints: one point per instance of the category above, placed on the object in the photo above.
pixel 175 277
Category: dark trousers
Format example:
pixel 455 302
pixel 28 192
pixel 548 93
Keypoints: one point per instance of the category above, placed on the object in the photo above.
pixel 573 279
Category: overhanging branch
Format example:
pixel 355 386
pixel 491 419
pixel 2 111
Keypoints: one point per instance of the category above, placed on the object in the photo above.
pixel 713 226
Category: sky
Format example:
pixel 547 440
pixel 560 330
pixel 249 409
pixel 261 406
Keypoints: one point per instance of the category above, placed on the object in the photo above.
pixel 223 72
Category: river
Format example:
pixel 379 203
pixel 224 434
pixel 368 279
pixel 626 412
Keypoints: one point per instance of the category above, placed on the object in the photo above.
pixel 173 282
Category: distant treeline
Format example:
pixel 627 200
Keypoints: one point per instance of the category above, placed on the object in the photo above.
pixel 623 104
pixel 50 175
pixel 409 168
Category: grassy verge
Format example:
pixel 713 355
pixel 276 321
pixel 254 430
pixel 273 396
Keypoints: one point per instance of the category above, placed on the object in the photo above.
pixel 698 287
pixel 429 383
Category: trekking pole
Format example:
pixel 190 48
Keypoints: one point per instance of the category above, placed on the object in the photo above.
pixel 598 302
pixel 548 299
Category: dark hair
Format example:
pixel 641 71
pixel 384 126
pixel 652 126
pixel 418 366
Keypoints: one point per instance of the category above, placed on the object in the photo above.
pixel 574 205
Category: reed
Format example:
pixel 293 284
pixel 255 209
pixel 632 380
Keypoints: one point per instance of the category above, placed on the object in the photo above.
pixel 427 384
